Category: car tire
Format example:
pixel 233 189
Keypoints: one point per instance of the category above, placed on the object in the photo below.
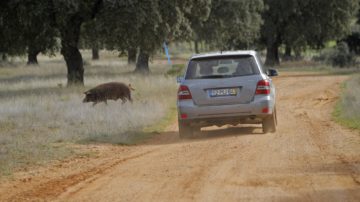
pixel 185 130
pixel 269 123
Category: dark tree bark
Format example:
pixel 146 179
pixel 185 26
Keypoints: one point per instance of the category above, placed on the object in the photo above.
pixel 69 34
pixel 196 45
pixel 3 57
pixel 298 55
pixel 131 56
pixel 69 42
pixel 272 55
pixel 142 64
pixel 287 55
pixel 32 57
pixel 95 53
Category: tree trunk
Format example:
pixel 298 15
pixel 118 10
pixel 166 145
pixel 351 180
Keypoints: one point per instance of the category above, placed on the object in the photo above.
pixel 95 53
pixel 196 45
pixel 3 57
pixel 74 63
pixel 272 55
pixel 287 55
pixel 142 64
pixel 131 56
pixel 69 49
pixel 32 57
pixel 298 54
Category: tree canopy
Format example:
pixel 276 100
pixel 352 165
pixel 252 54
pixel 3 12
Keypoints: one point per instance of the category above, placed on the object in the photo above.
pixel 301 23
pixel 142 26
pixel 146 24
pixel 231 24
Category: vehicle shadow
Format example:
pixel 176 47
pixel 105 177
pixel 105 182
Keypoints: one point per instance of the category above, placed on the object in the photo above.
pixel 172 137
pixel 134 138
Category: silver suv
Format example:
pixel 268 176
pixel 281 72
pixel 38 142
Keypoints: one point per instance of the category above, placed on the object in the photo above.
pixel 226 88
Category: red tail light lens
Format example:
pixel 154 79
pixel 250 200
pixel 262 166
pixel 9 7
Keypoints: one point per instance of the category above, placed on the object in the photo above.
pixel 263 87
pixel 265 110
pixel 183 116
pixel 184 93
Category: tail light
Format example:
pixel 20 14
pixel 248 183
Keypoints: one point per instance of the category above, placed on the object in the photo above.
pixel 263 87
pixel 184 93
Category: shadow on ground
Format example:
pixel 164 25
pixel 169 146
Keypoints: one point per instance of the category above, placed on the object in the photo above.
pixel 169 137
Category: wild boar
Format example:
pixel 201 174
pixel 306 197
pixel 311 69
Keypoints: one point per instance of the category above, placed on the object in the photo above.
pixel 109 91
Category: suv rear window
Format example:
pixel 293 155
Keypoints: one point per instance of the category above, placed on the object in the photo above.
pixel 221 67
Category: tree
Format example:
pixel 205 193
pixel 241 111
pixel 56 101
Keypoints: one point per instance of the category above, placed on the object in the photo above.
pixel 11 42
pixel 69 16
pixel 21 31
pixel 145 25
pixel 159 21
pixel 353 40
pixel 302 23
pixel 197 16
pixel 37 37
pixel 230 25
pixel 132 52
pixel 118 27
pixel 91 37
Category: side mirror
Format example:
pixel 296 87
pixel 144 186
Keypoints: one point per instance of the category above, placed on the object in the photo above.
pixel 179 79
pixel 272 72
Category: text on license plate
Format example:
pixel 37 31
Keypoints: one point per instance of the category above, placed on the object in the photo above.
pixel 223 92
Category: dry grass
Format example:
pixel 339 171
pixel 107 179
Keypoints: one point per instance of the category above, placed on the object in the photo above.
pixel 351 98
pixel 347 110
pixel 38 117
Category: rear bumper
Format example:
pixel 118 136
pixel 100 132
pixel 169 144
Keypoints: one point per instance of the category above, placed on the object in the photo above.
pixel 259 108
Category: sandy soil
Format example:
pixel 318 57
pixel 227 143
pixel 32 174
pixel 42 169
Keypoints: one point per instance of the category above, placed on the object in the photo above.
pixel 309 158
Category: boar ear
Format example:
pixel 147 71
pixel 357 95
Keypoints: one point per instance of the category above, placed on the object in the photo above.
pixel 130 87
pixel 87 93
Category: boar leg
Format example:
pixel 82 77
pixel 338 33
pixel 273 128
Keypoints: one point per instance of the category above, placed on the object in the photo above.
pixel 130 99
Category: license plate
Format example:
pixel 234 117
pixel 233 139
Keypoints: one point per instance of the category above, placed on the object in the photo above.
pixel 223 92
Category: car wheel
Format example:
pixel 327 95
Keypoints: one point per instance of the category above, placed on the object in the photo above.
pixel 185 130
pixel 269 123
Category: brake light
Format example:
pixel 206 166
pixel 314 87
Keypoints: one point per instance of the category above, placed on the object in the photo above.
pixel 183 116
pixel 263 87
pixel 184 93
pixel 265 110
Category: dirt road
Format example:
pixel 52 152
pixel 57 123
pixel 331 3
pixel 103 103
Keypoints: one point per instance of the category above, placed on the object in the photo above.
pixel 309 158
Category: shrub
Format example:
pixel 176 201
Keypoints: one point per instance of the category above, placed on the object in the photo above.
pixel 347 111
pixel 176 70
pixel 340 56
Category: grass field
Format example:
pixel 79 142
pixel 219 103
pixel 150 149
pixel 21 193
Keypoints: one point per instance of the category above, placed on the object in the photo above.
pixel 40 119
pixel 347 111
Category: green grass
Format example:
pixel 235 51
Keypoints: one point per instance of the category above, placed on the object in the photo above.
pixel 347 110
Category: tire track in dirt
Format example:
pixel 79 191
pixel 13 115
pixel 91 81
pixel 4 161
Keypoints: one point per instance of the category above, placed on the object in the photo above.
pixel 55 187
pixel 318 127
pixel 326 99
